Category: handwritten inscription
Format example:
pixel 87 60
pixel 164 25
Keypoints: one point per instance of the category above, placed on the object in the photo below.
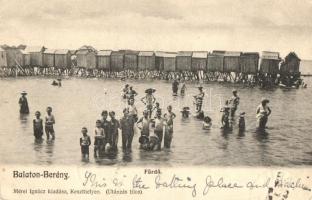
pixel 176 182
pixel 139 183
pixel 210 183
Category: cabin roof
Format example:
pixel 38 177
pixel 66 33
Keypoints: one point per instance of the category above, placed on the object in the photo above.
pixel 185 53
pixel 34 49
pixel 200 54
pixel 61 51
pixel 84 52
pixel 270 55
pixel 24 52
pixel 218 52
pixel 166 54
pixel 250 53
pixel 292 55
pixel 104 52
pixel 232 53
pixel 1 49
pixel 146 53
pixel 117 53
pixel 129 52
pixel 49 51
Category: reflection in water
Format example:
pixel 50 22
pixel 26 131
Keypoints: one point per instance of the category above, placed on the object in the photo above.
pixel 49 150
pixel 127 157
pixel 225 133
pixel 262 136
pixel 85 159
pixel 241 134
pixel 38 145
pixel 24 121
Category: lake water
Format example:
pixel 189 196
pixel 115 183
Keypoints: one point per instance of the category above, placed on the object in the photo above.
pixel 79 102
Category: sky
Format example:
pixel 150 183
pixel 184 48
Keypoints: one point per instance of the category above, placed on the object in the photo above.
pixel 169 25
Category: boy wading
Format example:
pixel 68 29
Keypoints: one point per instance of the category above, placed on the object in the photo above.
pixel 127 124
pixel 159 126
pixel 114 124
pixel 49 122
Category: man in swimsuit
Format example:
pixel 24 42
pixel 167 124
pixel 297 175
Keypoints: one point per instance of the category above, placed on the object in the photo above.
pixel 159 126
pixel 106 127
pixel 126 125
pixel 169 117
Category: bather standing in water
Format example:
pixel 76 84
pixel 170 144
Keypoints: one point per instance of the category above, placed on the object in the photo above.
pixel 175 87
pixel 23 103
pixel 38 126
pixel 234 102
pixel 126 125
pixel 199 98
pixel 263 112
pixel 169 117
pixel 149 100
pixel 125 91
pixel 114 125
pixel 131 93
pixel 183 89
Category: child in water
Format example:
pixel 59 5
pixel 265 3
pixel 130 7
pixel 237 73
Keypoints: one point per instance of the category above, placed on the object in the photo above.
pixel 159 126
pixel 156 107
pixel 114 124
pixel 49 122
pixel 185 112
pixel 38 126
pixel 106 127
pixel 241 122
pixel 207 123
pixel 183 88
pixel 99 138
pixel 225 119
pixel 85 142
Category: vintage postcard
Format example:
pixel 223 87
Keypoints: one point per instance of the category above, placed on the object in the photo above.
pixel 164 99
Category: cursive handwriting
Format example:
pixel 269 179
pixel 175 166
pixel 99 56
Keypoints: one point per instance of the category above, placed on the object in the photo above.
pixel 175 182
pixel 219 184
pixel 91 179
pixel 138 183
pixel 252 185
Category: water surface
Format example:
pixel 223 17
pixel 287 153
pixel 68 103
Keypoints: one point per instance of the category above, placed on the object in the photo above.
pixel 79 102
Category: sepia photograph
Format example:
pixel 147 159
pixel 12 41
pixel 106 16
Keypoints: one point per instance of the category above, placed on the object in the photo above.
pixel 162 83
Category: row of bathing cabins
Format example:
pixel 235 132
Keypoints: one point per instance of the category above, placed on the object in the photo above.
pixel 188 65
